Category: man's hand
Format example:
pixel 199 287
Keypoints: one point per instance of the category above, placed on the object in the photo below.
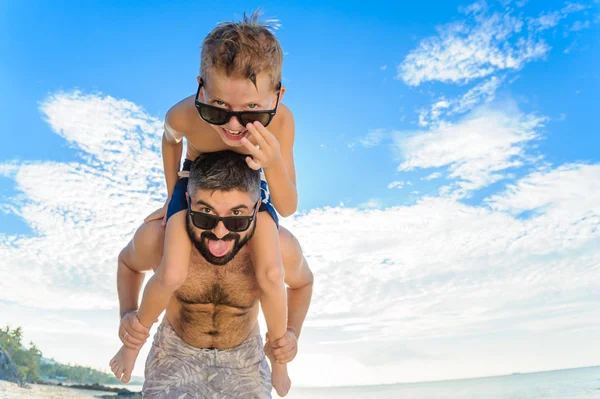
pixel 267 153
pixel 285 348
pixel 131 332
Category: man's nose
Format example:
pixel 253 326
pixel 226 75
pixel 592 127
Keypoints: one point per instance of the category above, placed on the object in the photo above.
pixel 220 231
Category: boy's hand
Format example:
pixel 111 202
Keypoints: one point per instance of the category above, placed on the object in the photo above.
pixel 159 214
pixel 285 348
pixel 267 153
pixel 132 333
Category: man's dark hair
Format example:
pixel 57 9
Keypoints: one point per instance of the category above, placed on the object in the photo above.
pixel 223 171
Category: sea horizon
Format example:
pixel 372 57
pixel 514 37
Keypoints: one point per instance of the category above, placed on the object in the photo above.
pixel 450 380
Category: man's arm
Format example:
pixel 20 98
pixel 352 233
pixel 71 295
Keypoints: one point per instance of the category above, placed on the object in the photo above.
pixel 142 253
pixel 129 283
pixel 299 295
pixel 299 279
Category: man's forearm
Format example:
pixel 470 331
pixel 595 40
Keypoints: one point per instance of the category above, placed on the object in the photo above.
pixel 129 285
pixel 298 304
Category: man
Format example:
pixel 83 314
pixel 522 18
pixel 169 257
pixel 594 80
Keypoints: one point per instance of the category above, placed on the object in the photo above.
pixel 208 344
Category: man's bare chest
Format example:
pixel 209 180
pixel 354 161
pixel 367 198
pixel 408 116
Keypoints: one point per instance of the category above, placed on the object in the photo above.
pixel 233 285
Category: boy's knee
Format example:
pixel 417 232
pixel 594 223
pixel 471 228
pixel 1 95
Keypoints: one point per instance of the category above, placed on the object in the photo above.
pixel 171 279
pixel 273 274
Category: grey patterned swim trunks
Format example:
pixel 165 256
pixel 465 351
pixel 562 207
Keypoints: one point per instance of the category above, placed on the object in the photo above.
pixel 177 370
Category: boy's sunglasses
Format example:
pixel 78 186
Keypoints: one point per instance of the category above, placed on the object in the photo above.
pixel 219 116
pixel 234 224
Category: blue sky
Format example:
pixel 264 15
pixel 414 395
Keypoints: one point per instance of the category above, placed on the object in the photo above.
pixel 443 150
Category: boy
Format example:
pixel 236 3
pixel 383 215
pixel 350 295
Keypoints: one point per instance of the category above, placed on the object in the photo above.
pixel 238 96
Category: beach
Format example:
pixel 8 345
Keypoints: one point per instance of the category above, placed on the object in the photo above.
pixel 12 390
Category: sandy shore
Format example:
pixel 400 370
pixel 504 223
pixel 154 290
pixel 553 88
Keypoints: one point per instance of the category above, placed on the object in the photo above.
pixel 12 390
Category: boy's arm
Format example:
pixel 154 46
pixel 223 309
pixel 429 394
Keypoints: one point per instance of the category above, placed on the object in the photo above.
pixel 172 147
pixel 280 173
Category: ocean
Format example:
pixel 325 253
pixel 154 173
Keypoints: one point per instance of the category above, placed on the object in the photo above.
pixel 580 383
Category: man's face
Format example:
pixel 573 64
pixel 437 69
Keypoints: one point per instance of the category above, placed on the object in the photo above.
pixel 237 94
pixel 219 245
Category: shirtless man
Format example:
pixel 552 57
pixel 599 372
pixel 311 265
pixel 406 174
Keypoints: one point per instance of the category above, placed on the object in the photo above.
pixel 236 106
pixel 208 344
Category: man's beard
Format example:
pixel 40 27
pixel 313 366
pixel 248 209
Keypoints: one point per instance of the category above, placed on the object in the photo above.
pixel 200 243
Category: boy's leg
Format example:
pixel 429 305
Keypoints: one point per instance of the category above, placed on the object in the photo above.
pixel 268 266
pixel 267 262
pixel 168 277
pixel 171 272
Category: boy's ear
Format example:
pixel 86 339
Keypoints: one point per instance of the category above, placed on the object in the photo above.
pixel 282 92
pixel 201 96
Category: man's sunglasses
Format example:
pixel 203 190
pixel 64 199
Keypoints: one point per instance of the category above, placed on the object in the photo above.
pixel 219 116
pixel 234 224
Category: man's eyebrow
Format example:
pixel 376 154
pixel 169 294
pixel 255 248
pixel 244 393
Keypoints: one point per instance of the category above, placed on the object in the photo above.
pixel 206 204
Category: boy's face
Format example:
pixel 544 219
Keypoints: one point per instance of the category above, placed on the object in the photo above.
pixel 237 94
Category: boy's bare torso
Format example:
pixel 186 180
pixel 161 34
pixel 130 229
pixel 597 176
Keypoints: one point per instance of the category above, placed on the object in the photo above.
pixel 217 306
pixel 201 137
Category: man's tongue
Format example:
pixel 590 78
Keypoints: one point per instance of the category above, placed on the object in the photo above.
pixel 220 247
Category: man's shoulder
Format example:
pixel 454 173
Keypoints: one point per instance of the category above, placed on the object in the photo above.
pixel 181 118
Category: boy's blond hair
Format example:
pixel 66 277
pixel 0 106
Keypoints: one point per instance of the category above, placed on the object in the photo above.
pixel 243 49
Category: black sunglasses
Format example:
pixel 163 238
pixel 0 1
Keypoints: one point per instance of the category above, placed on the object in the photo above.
pixel 219 116
pixel 234 224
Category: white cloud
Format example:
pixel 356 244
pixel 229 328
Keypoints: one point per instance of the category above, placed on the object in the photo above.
pixel 396 184
pixel 384 67
pixel 450 270
pixel 372 139
pixel 579 25
pixel 435 175
pixel 425 284
pixel 82 212
pixel 481 93
pixel 477 150
pixel 371 203
pixel 485 43
pixel 476 48
pixel 551 19
pixel 546 20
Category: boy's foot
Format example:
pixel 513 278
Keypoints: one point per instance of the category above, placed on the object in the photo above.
pixel 123 362
pixel 279 375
